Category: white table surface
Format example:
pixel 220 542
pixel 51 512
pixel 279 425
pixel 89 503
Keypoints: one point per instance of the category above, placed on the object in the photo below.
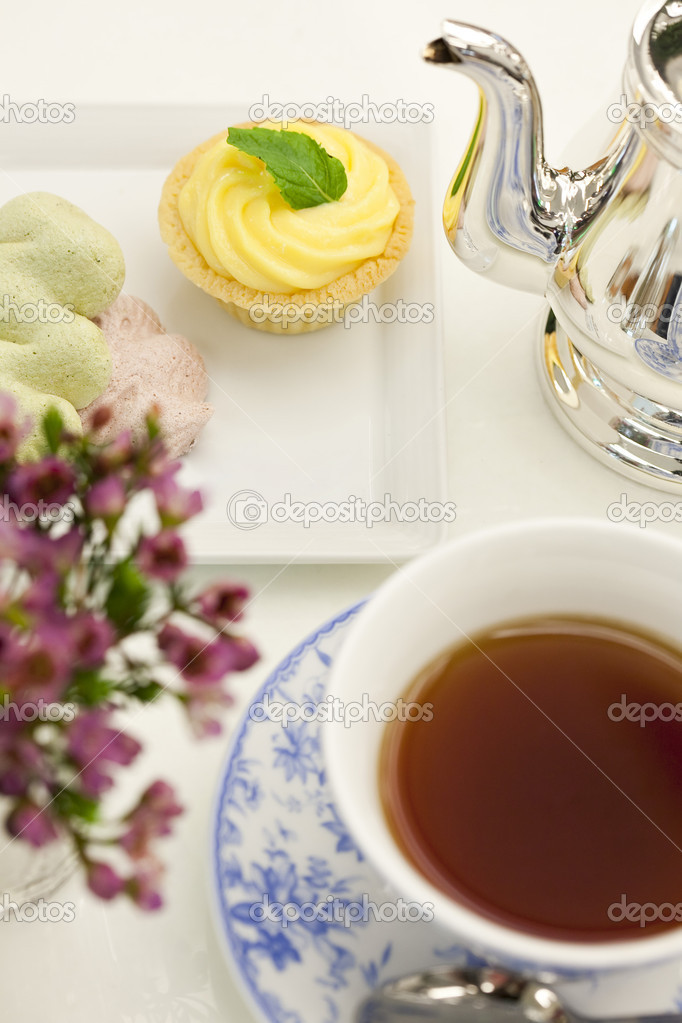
pixel 508 458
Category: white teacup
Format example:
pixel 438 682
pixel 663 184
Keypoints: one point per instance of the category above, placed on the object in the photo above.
pixel 545 567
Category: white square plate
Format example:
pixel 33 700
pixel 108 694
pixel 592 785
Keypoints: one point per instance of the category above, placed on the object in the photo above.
pixel 349 412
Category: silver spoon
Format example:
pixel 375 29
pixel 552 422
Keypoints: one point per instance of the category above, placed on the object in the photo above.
pixel 472 996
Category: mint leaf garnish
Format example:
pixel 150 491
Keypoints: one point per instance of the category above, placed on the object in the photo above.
pixel 304 172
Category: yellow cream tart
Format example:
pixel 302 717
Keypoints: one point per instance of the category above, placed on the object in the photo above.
pixel 231 232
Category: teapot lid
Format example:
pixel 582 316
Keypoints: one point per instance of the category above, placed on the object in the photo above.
pixel 653 76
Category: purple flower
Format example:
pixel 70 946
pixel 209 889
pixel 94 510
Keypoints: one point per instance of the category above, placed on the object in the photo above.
pixel 39 663
pixel 40 596
pixel 64 553
pixel 21 761
pixel 51 481
pixel 162 556
pixel 106 499
pixel 174 504
pixel 242 652
pixel 12 432
pixel 143 888
pixel 150 819
pixel 91 742
pixel 223 602
pixel 119 454
pixel 101 417
pixel 9 639
pixel 69 602
pixel 201 704
pixel 91 638
pixel 39 553
pixel 204 662
pixel 22 546
pixel 104 881
pixel 31 823
pixel 157 462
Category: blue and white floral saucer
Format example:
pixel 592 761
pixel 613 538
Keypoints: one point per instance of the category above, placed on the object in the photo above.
pixel 277 835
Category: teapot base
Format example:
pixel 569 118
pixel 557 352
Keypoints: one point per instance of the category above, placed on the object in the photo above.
pixel 633 435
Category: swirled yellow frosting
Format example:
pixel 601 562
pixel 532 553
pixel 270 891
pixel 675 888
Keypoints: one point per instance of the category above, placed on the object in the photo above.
pixel 235 216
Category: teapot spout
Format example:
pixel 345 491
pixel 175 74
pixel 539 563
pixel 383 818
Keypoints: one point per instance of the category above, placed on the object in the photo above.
pixel 507 212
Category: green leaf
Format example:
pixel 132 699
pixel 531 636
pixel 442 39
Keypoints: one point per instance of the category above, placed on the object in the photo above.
pixel 15 615
pixel 304 172
pixel 128 597
pixel 153 426
pixel 90 688
pixel 53 428
pixel 72 804
pixel 148 692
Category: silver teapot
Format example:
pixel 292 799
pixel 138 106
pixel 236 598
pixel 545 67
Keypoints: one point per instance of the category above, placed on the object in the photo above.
pixel 603 244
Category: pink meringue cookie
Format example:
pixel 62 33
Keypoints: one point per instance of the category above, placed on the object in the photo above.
pixel 150 367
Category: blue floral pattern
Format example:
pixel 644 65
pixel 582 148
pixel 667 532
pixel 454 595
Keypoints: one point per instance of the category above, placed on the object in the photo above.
pixel 660 355
pixel 278 835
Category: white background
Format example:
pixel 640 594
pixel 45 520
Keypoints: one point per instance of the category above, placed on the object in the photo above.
pixel 508 458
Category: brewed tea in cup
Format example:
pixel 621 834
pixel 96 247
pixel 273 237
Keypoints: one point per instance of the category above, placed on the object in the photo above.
pixel 538 808
pixel 542 786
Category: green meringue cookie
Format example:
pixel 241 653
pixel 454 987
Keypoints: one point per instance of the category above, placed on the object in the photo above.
pixel 58 268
